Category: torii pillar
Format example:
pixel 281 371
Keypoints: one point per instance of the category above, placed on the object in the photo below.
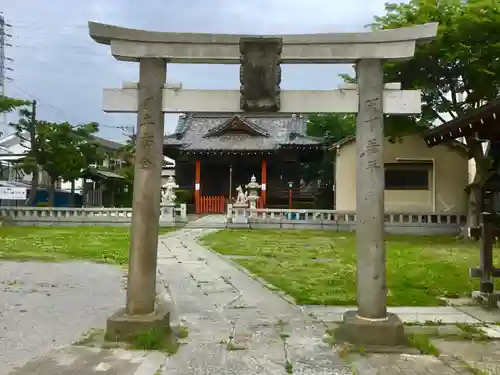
pixel 143 310
pixel 371 324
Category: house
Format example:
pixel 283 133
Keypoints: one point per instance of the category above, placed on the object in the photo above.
pixel 11 151
pixel 216 153
pixel 417 178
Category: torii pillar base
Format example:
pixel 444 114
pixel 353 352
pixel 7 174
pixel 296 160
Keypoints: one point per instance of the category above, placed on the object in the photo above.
pixel 121 327
pixel 372 335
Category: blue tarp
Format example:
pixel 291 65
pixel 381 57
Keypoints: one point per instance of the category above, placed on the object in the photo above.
pixel 61 198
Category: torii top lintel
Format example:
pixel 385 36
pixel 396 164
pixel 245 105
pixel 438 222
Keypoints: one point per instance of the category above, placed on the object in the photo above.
pixel 132 44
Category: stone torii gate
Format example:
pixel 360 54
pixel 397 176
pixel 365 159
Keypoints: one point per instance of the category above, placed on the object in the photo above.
pixel 260 75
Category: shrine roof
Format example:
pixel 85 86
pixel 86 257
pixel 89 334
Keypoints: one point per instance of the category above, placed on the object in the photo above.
pixel 198 131
pixel 484 122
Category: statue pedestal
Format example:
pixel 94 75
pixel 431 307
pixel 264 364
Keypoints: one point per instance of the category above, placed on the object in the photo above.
pixel 167 215
pixel 240 213
pixel 229 213
pixel 253 201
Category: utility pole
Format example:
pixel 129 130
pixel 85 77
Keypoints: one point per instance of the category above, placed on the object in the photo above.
pixel 2 55
pixel 3 59
pixel 34 147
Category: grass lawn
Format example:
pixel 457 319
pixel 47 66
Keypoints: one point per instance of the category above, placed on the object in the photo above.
pixel 98 244
pixel 319 267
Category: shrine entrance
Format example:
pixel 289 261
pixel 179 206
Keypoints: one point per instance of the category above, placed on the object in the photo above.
pixel 243 133
pixel 220 178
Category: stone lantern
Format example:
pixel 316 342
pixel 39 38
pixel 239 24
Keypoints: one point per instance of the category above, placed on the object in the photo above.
pixel 168 198
pixel 253 192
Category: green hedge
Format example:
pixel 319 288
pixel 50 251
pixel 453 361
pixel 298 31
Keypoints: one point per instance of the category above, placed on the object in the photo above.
pixel 185 196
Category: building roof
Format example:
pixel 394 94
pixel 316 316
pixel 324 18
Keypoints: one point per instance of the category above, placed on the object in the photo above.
pixel 482 121
pixel 203 132
pixel 13 138
pixel 106 143
pixel 453 144
pixel 101 174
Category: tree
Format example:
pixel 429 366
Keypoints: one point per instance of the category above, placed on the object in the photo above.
pixel 65 150
pixel 26 131
pixel 127 154
pixel 457 72
pixel 333 128
pixel 85 151
pixel 8 104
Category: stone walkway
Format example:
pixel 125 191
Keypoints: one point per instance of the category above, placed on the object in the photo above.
pixel 238 326
pixel 208 221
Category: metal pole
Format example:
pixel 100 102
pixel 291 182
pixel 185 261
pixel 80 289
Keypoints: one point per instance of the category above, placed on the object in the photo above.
pixel 230 182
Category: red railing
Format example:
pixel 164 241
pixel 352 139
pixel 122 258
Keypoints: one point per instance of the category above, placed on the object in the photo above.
pixel 212 204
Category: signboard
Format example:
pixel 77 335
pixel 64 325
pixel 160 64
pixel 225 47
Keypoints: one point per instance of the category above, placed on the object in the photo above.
pixel 13 193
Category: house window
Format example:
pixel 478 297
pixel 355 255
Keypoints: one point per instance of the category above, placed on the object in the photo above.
pixel 407 176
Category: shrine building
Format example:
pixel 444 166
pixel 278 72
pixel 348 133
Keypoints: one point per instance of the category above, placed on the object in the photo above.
pixel 216 153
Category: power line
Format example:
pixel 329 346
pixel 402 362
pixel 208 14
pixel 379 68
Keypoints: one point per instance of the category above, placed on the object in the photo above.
pixel 80 47
pixel 44 102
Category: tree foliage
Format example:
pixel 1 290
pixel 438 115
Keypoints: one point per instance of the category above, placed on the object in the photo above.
pixel 461 68
pixel 333 128
pixel 8 104
pixel 25 130
pixel 65 150
pixel 62 150
pixel 456 72
pixel 127 154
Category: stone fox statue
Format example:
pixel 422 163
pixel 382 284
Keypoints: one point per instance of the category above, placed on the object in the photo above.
pixel 241 197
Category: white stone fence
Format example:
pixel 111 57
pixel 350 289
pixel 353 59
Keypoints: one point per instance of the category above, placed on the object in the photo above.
pixel 404 223
pixel 55 216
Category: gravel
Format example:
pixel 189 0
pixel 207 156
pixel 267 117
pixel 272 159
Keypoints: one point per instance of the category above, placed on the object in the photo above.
pixel 43 305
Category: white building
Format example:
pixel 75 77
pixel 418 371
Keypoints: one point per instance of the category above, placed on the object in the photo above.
pixel 12 150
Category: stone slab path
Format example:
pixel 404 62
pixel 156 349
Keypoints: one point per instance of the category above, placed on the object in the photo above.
pixel 238 326
pixel 208 221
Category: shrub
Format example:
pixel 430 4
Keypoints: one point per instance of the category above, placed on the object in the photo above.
pixel 185 196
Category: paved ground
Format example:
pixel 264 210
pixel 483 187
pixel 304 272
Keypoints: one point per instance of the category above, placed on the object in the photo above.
pixel 235 306
pixel 238 326
pixel 438 314
pixel 208 221
pixel 43 305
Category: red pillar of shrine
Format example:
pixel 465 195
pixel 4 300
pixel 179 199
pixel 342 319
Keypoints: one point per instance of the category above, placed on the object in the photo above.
pixel 263 183
pixel 197 200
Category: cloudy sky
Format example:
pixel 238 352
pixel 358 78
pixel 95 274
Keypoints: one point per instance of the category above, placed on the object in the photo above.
pixel 59 65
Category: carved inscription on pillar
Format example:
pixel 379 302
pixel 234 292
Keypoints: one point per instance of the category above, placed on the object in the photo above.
pixel 260 74
pixel 146 135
